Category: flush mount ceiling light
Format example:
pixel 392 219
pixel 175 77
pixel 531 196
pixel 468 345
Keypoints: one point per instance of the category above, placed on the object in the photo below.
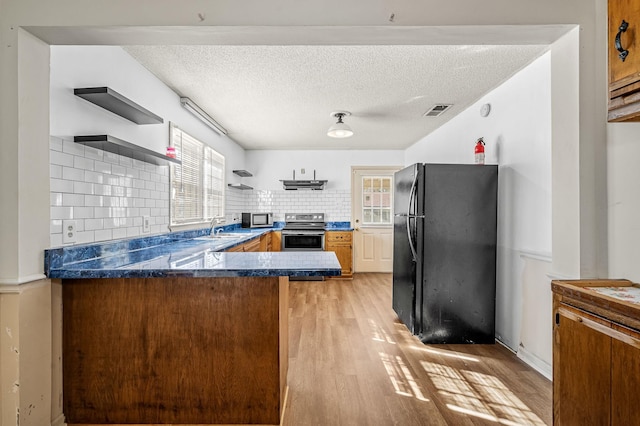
pixel 340 129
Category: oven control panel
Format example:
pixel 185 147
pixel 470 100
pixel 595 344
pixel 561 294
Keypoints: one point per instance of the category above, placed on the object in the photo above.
pixel 304 217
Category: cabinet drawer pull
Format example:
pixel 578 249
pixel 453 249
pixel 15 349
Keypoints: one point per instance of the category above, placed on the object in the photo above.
pixel 623 52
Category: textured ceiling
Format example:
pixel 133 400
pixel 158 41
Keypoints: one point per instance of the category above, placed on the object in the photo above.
pixel 281 97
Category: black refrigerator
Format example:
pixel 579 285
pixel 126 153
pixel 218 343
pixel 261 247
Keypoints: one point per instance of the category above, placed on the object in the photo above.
pixel 444 251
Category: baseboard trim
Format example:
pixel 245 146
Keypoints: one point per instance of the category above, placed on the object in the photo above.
pixel 536 363
pixel 58 421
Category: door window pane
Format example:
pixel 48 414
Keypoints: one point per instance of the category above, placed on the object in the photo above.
pixel 377 200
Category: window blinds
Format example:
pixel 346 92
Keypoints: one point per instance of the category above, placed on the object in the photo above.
pixel 197 185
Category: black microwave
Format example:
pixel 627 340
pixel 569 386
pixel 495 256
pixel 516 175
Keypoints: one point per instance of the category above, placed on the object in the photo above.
pixel 257 220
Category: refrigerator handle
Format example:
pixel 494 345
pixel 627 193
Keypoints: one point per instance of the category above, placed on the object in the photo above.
pixel 409 215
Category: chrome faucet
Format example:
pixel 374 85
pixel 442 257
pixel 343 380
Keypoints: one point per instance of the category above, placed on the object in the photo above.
pixel 215 221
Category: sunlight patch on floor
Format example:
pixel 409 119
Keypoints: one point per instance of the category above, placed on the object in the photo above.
pixel 450 354
pixel 479 395
pixel 400 377
pixel 380 334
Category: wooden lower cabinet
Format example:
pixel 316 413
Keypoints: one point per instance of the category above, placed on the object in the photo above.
pixel 265 241
pixel 341 242
pixel 252 245
pixel 276 241
pixel 581 383
pixel 596 355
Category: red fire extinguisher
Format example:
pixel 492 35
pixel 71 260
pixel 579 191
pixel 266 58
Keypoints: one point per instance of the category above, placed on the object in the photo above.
pixel 480 151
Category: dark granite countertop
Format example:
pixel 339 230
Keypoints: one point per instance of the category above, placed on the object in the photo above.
pixel 190 253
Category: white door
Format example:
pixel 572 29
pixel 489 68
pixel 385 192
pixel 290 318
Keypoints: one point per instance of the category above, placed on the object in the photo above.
pixel 372 218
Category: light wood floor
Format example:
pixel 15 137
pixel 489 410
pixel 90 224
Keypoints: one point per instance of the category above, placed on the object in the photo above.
pixel 353 363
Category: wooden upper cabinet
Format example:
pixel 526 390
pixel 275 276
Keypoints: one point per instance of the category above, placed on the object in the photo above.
pixel 624 76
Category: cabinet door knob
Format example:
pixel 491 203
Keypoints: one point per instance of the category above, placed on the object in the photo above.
pixel 622 52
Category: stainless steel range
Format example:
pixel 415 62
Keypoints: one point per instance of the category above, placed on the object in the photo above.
pixel 303 232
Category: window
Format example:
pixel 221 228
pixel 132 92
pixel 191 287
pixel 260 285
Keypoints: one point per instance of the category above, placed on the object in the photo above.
pixel 196 185
pixel 376 200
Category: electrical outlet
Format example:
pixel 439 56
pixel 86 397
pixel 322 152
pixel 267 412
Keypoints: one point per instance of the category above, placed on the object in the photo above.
pixel 68 231
pixel 145 224
pixel 302 171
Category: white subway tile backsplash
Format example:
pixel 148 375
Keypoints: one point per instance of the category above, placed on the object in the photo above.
pixel 55 171
pixel 73 200
pixel 118 170
pixel 83 188
pixel 84 237
pixel 83 163
pixel 93 153
pixel 55 143
pixel 61 159
pixel 103 235
pixel 94 200
pixel 93 224
pixel 94 177
pixel 56 238
pixel 108 195
pixel 126 162
pixel 56 226
pixel 83 212
pixel 56 199
pixel 118 191
pixel 110 157
pixel 133 173
pixel 71 173
pixel 61 213
pixel 102 167
pixel 119 233
pixel 70 147
pixel 102 212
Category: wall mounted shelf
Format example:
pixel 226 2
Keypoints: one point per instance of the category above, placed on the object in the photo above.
pixel 239 186
pixel 124 148
pixel 242 173
pixel 120 105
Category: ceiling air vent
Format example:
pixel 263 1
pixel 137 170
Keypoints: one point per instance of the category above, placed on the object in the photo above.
pixel 437 110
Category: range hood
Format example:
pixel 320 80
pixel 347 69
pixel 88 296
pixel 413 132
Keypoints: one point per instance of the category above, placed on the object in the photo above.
pixel 294 184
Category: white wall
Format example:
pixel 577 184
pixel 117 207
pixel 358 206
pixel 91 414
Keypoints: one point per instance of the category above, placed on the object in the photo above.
pixel 517 134
pixel 269 167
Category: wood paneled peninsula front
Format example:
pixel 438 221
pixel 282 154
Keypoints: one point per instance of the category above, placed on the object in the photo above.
pixel 170 330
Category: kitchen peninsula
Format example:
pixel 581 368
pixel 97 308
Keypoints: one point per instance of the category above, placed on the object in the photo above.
pixel 170 330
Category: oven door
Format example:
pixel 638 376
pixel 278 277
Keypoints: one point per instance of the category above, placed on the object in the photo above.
pixel 302 240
